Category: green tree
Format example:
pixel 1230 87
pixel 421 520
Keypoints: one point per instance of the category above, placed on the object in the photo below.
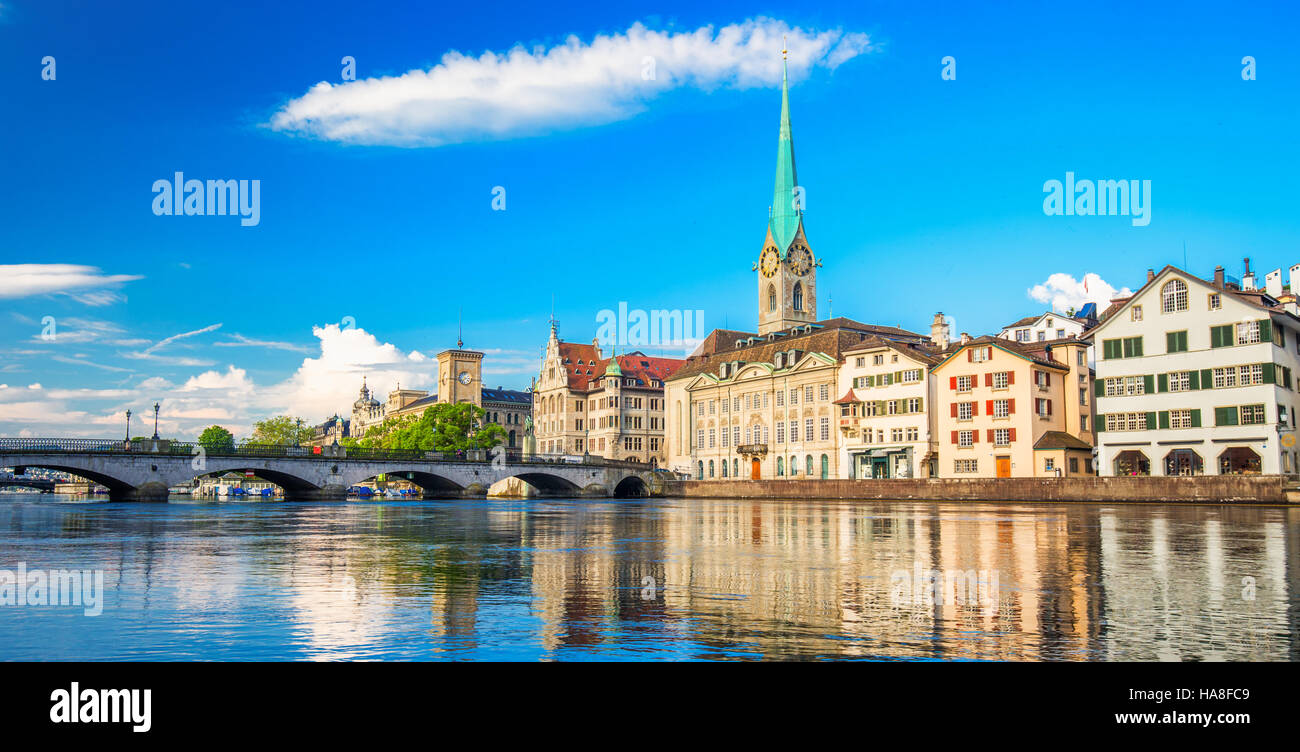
pixel 216 438
pixel 440 428
pixel 282 429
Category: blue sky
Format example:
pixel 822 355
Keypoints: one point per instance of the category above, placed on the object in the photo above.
pixel 922 194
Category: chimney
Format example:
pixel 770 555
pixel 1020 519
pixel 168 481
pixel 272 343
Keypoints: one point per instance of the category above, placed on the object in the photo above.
pixel 1248 278
pixel 939 331
pixel 1218 277
pixel 1151 275
pixel 965 338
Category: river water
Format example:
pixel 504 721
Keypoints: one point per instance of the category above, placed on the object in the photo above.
pixel 655 579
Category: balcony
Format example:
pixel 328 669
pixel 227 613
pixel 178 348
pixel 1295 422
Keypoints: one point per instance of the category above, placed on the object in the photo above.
pixel 752 449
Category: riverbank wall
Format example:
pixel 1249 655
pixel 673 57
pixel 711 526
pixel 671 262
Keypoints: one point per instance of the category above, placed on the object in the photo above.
pixel 1202 489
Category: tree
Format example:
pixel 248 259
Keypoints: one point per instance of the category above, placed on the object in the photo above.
pixel 282 429
pixel 440 428
pixel 216 438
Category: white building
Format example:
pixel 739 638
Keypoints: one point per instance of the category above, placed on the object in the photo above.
pixel 1049 326
pixel 884 419
pixel 1196 377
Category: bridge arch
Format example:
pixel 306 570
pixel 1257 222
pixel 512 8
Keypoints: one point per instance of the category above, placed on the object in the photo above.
pixel 632 487
pixel 431 485
pixel 549 484
pixel 115 486
pixel 292 484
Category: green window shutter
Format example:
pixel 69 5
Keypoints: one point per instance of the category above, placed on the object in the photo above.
pixel 1225 416
pixel 1270 373
pixel 1099 388
pixel 1182 341
pixel 1100 424
pixel 1196 418
pixel 1137 346
pixel 1163 381
pixel 1221 336
pixel 1171 342
pixel 1164 418
pixel 1110 349
pixel 1207 378
pixel 1265 330
pixel 871 381
pixel 920 401
pixel 1194 380
pixel 1151 421
pixel 1286 377
pixel 1149 384
pixel 1127 346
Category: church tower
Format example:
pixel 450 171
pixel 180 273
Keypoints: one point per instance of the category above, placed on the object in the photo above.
pixel 787 271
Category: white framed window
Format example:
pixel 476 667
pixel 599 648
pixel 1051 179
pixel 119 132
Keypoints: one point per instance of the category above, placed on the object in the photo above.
pixel 965 410
pixel 1135 313
pixel 1225 377
pixel 824 429
pixel 1002 437
pixel 1247 332
pixel 780 432
pixel 965 466
pixel 965 383
pixel 1180 381
pixel 981 354
pixel 1216 301
pixel 1001 408
pixel 1180 418
pixel 965 438
pixel 1173 296
pixel 1001 380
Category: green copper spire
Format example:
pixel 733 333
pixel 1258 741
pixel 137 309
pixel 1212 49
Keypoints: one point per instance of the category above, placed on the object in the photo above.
pixel 612 369
pixel 784 221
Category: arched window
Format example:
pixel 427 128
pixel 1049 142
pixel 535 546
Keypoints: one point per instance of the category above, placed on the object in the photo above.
pixel 826 467
pixel 794 465
pixel 710 468
pixel 780 466
pixel 1173 296
pixel 724 468
pixel 512 439
pixel 735 467
pixel 809 465
pixel 771 297
pixel 700 476
pixel 798 296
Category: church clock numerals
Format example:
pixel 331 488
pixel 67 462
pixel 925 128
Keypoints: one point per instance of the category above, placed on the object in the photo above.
pixel 800 260
pixel 769 262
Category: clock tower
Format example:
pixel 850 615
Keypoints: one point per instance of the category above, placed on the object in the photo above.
pixel 787 269
pixel 460 376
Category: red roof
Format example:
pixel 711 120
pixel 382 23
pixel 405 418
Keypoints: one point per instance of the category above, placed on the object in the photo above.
pixel 582 365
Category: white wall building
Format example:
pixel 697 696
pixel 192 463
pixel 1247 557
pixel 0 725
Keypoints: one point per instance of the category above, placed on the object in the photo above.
pixel 1196 377
pixel 884 411
pixel 1044 327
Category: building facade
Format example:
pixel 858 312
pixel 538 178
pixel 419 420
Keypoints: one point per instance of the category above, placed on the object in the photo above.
pixel 1197 377
pixel 1050 326
pixel 585 403
pixel 884 411
pixel 1004 410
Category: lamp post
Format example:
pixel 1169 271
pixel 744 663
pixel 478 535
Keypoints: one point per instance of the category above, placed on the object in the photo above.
pixel 128 426
pixel 155 421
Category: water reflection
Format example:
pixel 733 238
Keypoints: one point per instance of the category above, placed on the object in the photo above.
pixel 667 579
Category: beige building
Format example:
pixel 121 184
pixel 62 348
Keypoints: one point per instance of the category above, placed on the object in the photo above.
pixel 884 409
pixel 1002 409
pixel 585 403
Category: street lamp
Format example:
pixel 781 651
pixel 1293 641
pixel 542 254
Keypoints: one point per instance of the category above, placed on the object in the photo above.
pixel 128 426
pixel 155 421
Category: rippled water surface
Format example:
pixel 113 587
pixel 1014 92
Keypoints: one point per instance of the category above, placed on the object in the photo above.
pixel 656 579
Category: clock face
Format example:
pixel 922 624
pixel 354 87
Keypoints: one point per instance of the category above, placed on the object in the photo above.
pixel 768 262
pixel 464 377
pixel 800 260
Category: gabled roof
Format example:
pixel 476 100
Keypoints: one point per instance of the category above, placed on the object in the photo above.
pixel 1257 299
pixel 1015 348
pixel 924 354
pixel 1060 440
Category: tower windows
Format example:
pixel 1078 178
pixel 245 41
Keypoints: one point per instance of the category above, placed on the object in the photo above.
pixel 798 296
pixel 771 297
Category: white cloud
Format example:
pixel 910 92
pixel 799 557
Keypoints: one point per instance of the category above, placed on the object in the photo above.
pixel 529 91
pixel 1063 292
pixel 239 340
pixel 25 280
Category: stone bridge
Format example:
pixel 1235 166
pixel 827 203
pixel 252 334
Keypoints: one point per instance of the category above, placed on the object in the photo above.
pixel 145 470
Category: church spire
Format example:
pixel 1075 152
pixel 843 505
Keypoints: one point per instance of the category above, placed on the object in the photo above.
pixel 784 221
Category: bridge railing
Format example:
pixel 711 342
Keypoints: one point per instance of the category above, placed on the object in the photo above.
pixel 12 445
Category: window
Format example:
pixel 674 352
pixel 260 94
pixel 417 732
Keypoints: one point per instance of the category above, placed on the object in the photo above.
pixel 965 410
pixel 735 435
pixel 1001 408
pixel 1180 381
pixel 1043 407
pixel 896 435
pixel 859 362
pixel 1127 421
pixel 1022 335
pixel 1173 296
pixel 1216 301
pixel 824 429
pixel 965 438
pixel 913 434
pixel 965 466
pixel 794 433
pixel 1049 464
pixel 965 383
pixel 798 296
pixel 1225 377
pixel 807 430
pixel 981 354
pixel 794 396
pixel 1176 342
pixel 912 375
pixel 1129 347
pixel 1002 437
pixel 1083 422
pixel 780 432
pixel 807 394
pixel 1124 386
pixel 771 297
pixel 1135 313
pixel 1180 418
pixel 1252 415
pixel 1247 332
pixel 823 392
pixel 1001 380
